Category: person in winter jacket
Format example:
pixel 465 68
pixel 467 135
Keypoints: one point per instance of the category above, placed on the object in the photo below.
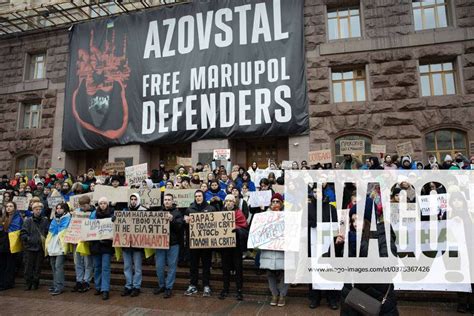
pixel 389 164
pixel 102 251
pixel 56 247
pixel 274 263
pixel 375 164
pixel 351 162
pixel 66 191
pixel 240 202
pixel 253 171
pixel 407 163
pixel 432 163
pixel 83 264
pixel 132 257
pixel 32 234
pixel 233 256
pixel 214 190
pixel 10 224
pixel 169 257
pixel 196 255
pixel 245 179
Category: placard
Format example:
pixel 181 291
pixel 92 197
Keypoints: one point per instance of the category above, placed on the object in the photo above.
pixel 141 229
pixel 267 231
pixel 203 175
pixel 287 164
pixel 148 197
pixel 74 200
pixel 118 166
pixel 277 188
pixel 433 204
pixel 319 156
pixel 263 173
pixel 85 229
pixel 114 195
pixel 405 148
pixel 378 149
pixel 260 198
pixel 184 161
pixel 22 202
pixel 352 146
pixel 182 197
pixel 136 174
pixel 221 154
pixel 212 230
pixel 54 200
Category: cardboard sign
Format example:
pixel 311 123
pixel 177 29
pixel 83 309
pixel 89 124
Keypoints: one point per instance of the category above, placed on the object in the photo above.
pixel 263 173
pixel 278 189
pixel 260 198
pixel 405 148
pixel 378 149
pixel 212 230
pixel 74 200
pixel 85 229
pixel 287 164
pixel 54 200
pixel 267 231
pixel 221 154
pixel 319 156
pixel 119 194
pixel 22 202
pixel 352 146
pixel 433 204
pixel 203 175
pixel 183 161
pixel 54 170
pixel 148 197
pixel 136 174
pixel 141 229
pixel 118 166
pixel 183 197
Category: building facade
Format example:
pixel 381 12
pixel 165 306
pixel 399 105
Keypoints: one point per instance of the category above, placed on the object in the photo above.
pixel 383 71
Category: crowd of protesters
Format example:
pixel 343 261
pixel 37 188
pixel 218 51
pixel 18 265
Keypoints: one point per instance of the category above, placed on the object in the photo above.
pixel 28 235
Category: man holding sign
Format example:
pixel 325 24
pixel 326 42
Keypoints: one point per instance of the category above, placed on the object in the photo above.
pixel 169 256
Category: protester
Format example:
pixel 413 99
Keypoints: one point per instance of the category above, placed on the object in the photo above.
pixel 56 247
pixel 214 190
pixel 199 255
pixel 10 244
pixel 169 257
pixel 132 257
pixel 233 256
pixel 274 263
pixel 33 234
pixel 102 251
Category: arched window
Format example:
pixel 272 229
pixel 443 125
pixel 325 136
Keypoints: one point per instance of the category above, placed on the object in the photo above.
pixel 362 157
pixel 446 141
pixel 27 165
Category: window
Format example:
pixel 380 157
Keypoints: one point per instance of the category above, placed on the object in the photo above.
pixel 36 66
pixel 367 143
pixel 27 165
pixel 437 79
pixel 443 142
pixel 348 86
pixel 429 14
pixel 343 23
pixel 31 116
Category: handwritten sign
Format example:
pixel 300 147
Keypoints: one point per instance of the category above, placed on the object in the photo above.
pixel 352 146
pixel 141 229
pixel 405 148
pixel 182 197
pixel 267 231
pixel 118 194
pixel 287 164
pixel 319 156
pixel 74 200
pixel 433 204
pixel 136 174
pixel 22 202
pixel 149 197
pixel 260 198
pixel 212 230
pixel 378 149
pixel 85 229
pixel 184 161
pixel 203 175
pixel 118 166
pixel 55 200
pixel 221 154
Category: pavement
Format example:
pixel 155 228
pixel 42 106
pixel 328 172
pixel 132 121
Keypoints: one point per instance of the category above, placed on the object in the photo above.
pixel 19 302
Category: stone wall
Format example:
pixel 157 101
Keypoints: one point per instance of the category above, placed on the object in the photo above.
pixel 14 91
pixel 394 111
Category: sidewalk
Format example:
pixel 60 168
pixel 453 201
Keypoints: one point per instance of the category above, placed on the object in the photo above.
pixel 19 302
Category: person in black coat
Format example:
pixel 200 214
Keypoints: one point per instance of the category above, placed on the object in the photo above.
pixel 102 252
pixel 32 234
pixel 204 255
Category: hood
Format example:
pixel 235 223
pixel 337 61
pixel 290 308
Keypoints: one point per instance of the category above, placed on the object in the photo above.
pixel 138 198
pixel 448 158
pixel 149 183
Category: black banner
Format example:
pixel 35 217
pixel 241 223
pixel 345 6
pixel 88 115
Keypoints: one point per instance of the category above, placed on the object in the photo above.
pixel 216 69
